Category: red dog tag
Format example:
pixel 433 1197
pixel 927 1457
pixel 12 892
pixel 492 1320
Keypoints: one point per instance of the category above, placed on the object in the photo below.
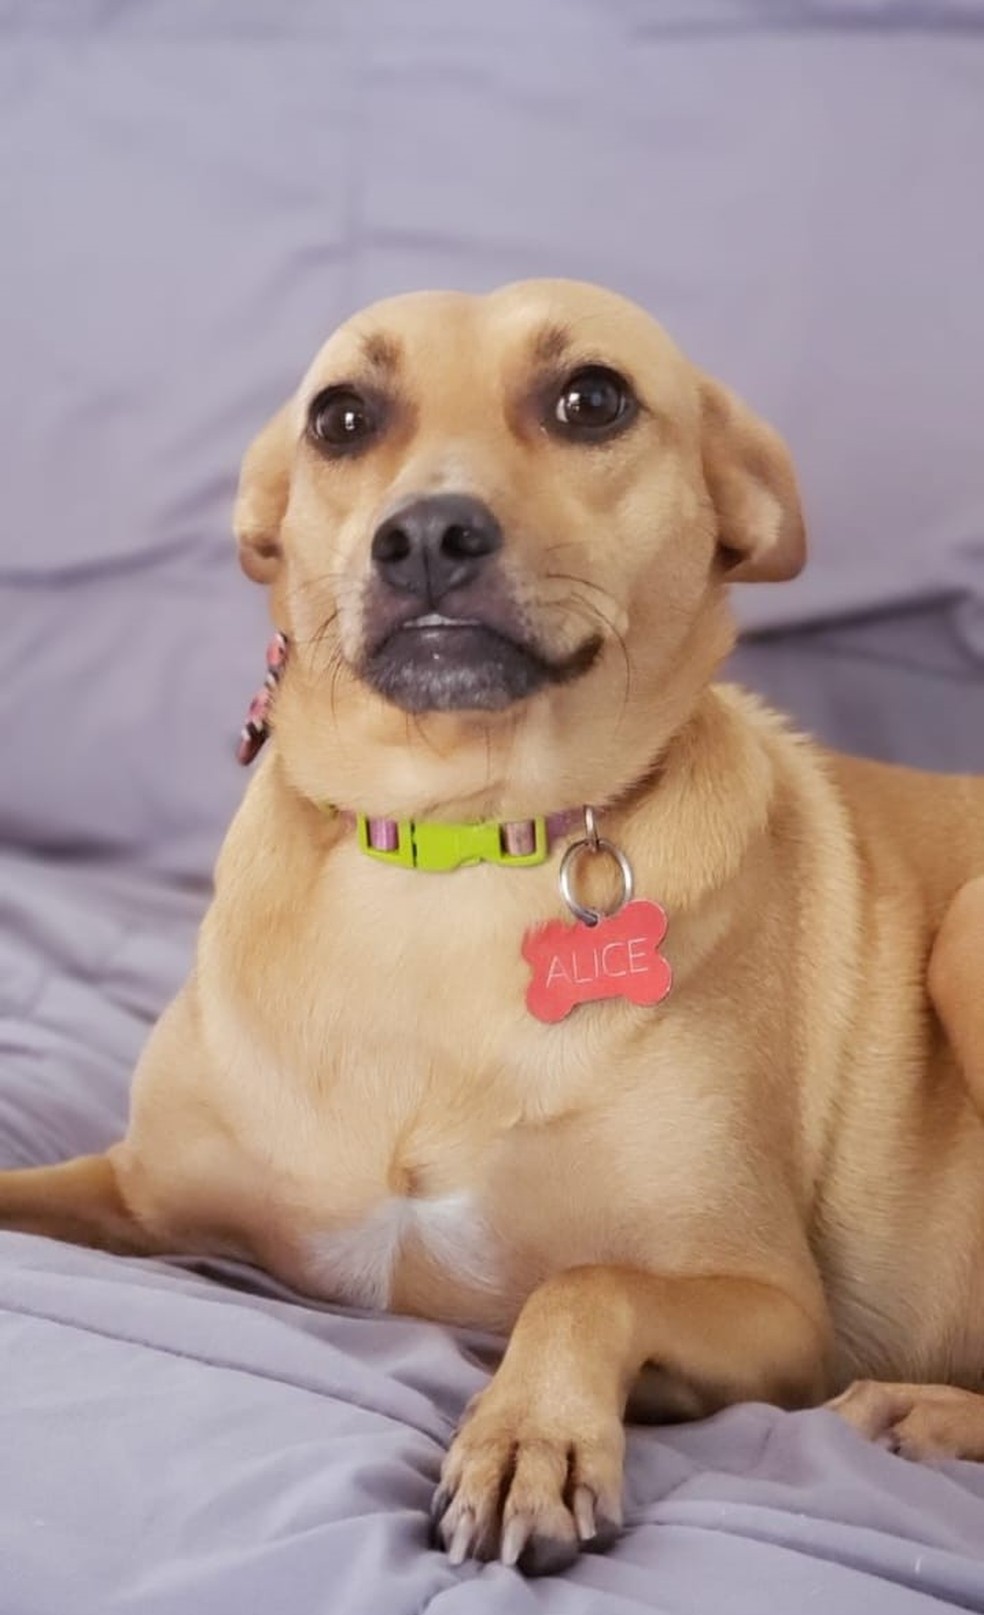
pixel 617 958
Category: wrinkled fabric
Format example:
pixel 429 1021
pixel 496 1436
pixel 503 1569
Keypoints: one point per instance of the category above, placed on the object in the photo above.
pixel 173 1445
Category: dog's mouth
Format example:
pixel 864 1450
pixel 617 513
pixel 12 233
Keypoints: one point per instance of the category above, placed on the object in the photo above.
pixel 437 663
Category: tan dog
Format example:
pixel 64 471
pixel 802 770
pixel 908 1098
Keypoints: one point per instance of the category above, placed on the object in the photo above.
pixel 498 533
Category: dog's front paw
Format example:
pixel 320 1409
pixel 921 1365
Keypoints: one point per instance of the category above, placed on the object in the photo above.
pixel 916 1421
pixel 530 1484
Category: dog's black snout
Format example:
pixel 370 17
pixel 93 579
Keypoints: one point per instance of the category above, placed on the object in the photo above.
pixel 434 545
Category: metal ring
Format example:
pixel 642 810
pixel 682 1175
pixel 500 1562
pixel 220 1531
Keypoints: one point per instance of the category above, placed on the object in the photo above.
pixel 591 916
pixel 591 829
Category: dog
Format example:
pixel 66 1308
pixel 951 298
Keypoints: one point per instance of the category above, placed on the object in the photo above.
pixel 548 985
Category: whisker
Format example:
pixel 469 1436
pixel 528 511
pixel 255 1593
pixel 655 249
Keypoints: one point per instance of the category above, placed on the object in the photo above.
pixel 421 731
pixel 594 614
pixel 337 668
pixel 585 583
pixel 320 578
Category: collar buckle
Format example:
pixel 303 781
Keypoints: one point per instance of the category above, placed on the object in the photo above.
pixel 439 848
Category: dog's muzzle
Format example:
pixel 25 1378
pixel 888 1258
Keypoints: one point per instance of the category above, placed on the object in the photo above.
pixel 442 631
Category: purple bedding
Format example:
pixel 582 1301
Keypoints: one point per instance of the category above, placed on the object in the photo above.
pixel 192 191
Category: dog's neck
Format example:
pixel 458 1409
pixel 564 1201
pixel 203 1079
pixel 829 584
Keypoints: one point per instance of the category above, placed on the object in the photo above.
pixel 686 826
pixel 440 798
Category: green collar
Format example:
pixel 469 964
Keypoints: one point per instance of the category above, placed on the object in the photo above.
pixel 439 848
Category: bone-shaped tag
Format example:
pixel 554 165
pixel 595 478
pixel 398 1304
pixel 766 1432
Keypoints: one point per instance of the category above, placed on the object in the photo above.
pixel 618 957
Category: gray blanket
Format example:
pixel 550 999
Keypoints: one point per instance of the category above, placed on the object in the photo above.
pixel 191 193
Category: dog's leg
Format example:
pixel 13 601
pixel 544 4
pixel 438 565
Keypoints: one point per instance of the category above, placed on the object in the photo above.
pixel 917 1421
pixel 536 1469
pixel 956 983
pixel 79 1201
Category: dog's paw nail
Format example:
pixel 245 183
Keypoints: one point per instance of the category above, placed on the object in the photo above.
pixel 461 1540
pixel 514 1539
pixel 584 1513
pixel 439 1504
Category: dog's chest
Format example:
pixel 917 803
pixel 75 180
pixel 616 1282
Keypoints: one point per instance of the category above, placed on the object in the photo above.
pixel 360 1263
pixel 433 1147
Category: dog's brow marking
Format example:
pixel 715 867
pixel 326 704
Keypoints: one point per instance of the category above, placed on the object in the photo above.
pixel 382 351
pixel 551 344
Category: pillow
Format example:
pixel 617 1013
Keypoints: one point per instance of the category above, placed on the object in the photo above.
pixel 195 193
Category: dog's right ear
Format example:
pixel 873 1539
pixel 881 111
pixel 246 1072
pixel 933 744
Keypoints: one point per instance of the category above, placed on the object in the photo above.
pixel 261 499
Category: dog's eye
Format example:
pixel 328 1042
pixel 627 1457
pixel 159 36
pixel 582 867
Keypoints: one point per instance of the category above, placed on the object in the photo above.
pixel 592 401
pixel 341 417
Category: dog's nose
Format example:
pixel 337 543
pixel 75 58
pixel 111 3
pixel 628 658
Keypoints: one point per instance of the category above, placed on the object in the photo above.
pixel 434 545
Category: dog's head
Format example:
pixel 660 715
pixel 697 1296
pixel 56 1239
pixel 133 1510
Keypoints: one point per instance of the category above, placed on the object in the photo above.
pixel 497 531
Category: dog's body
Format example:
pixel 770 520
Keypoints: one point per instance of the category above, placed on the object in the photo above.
pixel 771 1184
pixel 331 1066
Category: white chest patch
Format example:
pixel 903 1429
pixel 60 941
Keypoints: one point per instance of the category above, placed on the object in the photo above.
pixel 356 1264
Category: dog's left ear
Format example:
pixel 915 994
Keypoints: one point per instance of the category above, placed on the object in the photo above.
pixel 752 484
pixel 261 500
